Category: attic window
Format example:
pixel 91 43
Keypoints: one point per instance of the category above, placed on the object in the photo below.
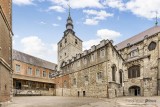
pixel 145 37
pixel 152 46
pixel 128 44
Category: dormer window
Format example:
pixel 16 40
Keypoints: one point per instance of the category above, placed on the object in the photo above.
pixel 134 53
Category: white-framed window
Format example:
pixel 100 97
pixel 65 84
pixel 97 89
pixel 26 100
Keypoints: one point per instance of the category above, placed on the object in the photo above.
pixel 37 72
pixel 102 53
pixel 29 71
pixel 18 68
pixel 50 75
pixel 44 74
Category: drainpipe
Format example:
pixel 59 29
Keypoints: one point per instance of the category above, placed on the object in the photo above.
pixel 158 66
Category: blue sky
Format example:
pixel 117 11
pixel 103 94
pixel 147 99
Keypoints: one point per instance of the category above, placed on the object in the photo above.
pixel 38 25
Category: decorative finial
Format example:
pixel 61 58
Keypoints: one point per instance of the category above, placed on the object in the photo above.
pixel 156 19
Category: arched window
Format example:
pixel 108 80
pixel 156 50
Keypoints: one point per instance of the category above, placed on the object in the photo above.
pixel 134 71
pixel 113 72
pixel 121 77
pixel 152 46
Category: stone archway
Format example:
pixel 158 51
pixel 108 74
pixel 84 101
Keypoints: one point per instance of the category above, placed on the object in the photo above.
pixel 134 91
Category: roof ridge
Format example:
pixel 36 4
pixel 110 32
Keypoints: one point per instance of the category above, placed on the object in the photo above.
pixel 34 56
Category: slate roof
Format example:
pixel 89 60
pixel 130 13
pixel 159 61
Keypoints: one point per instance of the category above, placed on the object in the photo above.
pixel 139 37
pixel 19 56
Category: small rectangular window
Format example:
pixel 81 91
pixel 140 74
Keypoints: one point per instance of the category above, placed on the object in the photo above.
pixel 44 74
pixel 17 68
pixel 29 72
pixel 37 72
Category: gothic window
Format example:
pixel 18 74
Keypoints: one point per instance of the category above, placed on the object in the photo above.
pixel 134 71
pixel 92 57
pixel 65 40
pixel 65 83
pixel 17 68
pixel 102 53
pixel 60 44
pixel 152 46
pixel 99 75
pixel 85 60
pixel 74 81
pixel 120 77
pixel 76 41
pixel 113 72
pixel 86 78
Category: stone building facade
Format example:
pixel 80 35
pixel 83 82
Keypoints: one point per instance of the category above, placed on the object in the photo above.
pixel 141 65
pixel 130 68
pixel 32 76
pixel 5 50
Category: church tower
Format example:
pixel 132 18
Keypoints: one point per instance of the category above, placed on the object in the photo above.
pixel 70 44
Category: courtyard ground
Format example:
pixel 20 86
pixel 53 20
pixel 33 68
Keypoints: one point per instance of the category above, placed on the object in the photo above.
pixel 57 101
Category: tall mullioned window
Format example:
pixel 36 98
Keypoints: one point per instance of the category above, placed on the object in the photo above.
pixel 18 68
pixel 134 71
pixel 114 73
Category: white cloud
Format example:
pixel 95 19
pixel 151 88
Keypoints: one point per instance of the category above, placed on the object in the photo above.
pixel 23 2
pixel 144 8
pixel 42 22
pixel 101 34
pixel 115 4
pixel 57 8
pixel 59 18
pixel 79 3
pixel 107 34
pixel 55 25
pixel 89 43
pixel 33 45
pixel 96 16
pixel 91 22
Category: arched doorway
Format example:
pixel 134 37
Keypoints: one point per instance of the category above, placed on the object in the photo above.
pixel 134 91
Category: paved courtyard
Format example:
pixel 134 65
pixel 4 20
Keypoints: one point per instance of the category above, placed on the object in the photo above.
pixel 56 101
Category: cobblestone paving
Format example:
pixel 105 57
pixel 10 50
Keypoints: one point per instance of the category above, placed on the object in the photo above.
pixel 56 101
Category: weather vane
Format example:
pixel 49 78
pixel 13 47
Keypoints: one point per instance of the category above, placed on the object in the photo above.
pixel 156 19
pixel 69 6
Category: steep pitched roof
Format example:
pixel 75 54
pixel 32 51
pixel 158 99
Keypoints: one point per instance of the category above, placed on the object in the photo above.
pixel 19 56
pixel 139 37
